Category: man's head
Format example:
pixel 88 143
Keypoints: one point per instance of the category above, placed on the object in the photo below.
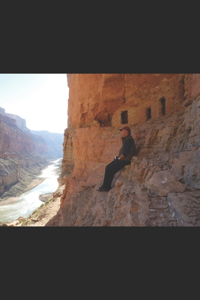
pixel 125 131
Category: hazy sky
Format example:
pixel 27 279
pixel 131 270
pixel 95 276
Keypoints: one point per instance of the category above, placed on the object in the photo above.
pixel 40 99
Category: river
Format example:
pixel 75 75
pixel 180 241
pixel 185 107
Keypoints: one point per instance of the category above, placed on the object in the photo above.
pixel 29 201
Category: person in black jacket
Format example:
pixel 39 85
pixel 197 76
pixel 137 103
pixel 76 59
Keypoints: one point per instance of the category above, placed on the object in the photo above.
pixel 126 153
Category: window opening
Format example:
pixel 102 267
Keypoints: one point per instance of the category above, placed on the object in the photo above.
pixel 182 82
pixel 149 113
pixel 163 106
pixel 124 116
pixel 183 87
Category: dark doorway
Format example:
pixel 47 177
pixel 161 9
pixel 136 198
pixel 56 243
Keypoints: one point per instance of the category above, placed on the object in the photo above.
pixel 149 113
pixel 124 116
pixel 162 100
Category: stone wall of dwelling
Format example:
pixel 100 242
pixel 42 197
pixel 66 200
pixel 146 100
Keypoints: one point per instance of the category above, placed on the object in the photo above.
pixel 149 102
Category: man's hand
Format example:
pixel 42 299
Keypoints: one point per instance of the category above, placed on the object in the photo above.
pixel 121 157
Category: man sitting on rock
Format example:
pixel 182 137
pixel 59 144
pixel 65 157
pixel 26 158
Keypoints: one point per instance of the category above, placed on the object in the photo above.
pixel 126 153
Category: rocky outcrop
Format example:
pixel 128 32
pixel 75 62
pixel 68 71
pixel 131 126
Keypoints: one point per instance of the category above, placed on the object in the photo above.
pixel 43 214
pixel 10 172
pixel 68 156
pixel 46 143
pixel 162 185
pixel 20 122
pixel 17 137
pixel 40 146
pixel 12 139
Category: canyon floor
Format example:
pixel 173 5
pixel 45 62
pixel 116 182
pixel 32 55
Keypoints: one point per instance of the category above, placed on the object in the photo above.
pixel 35 182
pixel 43 214
pixel 28 180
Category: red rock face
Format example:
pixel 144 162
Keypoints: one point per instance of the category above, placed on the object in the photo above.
pixel 15 137
pixel 12 139
pixel 103 97
pixel 91 98
pixel 96 106
pixel 17 150
pixel 100 104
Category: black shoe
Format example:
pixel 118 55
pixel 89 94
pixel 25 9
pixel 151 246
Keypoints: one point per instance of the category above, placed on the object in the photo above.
pixel 102 189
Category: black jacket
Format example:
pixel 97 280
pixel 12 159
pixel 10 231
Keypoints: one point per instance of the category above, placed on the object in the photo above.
pixel 128 148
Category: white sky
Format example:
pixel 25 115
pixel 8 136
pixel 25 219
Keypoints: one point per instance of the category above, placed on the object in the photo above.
pixel 40 99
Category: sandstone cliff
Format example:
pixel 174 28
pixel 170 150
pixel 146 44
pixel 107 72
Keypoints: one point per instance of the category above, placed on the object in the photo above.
pixel 12 139
pixel 162 185
pixel 18 151
pixel 46 143
pixel 40 146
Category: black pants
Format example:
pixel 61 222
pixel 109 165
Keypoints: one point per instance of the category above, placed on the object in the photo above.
pixel 111 169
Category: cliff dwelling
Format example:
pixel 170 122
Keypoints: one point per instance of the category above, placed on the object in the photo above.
pixel 163 112
pixel 124 117
pixel 148 113
pixel 112 100
pixel 162 100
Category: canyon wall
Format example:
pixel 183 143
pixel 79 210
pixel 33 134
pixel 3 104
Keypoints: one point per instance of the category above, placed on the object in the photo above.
pixel 20 122
pixel 9 174
pixel 46 143
pixel 21 148
pixel 18 150
pixel 40 146
pixel 12 139
pixel 20 137
pixel 161 187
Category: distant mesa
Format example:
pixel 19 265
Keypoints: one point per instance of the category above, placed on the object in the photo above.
pixel 43 142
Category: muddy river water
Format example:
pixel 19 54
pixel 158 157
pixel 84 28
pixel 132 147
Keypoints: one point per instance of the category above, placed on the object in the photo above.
pixel 29 201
